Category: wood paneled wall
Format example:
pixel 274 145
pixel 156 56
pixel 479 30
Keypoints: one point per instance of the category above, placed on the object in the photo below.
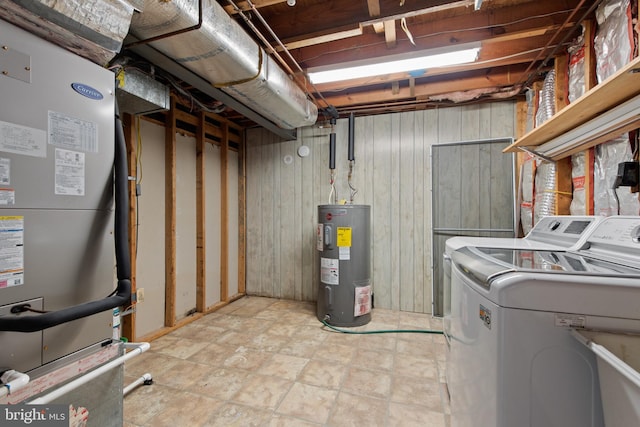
pixel 392 174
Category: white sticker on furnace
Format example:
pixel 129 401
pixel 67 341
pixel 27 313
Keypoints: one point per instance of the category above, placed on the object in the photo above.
pixel 69 180
pixel 330 271
pixel 72 133
pixel 23 140
pixel 570 320
pixel 11 251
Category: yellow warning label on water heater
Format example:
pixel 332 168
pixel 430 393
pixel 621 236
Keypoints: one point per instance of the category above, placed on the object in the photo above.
pixel 344 237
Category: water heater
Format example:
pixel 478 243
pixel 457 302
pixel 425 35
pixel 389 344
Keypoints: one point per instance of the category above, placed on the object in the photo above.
pixel 344 246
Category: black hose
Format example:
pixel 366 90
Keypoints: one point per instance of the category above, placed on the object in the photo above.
pixel 332 146
pixel 123 260
pixel 351 155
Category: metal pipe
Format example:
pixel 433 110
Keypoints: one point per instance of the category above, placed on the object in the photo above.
pixel 138 349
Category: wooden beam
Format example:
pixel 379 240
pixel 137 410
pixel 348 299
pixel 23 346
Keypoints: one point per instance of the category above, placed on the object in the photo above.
pixel 170 217
pixel 224 216
pixel 129 322
pixel 564 183
pixel 201 215
pixel 590 80
pixel 390 33
pixel 374 7
pixel 500 77
pixel 506 24
pixel 419 12
pixel 321 37
pixel 374 10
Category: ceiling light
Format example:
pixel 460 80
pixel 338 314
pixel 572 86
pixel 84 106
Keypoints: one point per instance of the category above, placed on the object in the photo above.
pixel 291 2
pixel 413 61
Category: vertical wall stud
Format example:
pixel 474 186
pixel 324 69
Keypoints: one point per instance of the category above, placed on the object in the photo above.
pixel 201 237
pixel 170 217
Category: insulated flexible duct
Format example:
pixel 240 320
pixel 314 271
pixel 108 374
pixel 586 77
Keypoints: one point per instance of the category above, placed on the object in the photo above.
pixel 221 52
pixel 121 234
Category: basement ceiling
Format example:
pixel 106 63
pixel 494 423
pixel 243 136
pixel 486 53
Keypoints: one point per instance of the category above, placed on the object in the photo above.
pixel 518 40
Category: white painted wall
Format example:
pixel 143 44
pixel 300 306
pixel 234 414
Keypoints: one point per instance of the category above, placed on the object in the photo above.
pixel 150 259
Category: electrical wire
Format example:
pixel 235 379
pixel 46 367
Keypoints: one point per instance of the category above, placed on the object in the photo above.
pixel 351 187
pixel 383 331
pixel 333 193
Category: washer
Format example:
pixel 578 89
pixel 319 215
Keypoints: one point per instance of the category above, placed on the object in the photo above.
pixel 512 359
pixel 551 232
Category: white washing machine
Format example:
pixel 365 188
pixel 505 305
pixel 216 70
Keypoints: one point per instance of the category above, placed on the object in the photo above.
pixel 512 360
pixel 551 232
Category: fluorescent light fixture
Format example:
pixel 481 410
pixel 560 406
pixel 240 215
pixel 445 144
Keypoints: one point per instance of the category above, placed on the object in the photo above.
pixel 608 125
pixel 414 61
pixel 478 4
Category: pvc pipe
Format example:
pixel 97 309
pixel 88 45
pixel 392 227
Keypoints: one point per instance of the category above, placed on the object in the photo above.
pixel 12 381
pixel 138 348
pixel 146 378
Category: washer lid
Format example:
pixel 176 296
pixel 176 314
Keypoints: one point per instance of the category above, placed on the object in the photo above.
pixel 486 264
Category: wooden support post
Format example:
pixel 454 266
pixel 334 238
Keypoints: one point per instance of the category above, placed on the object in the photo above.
pixel 129 321
pixel 242 211
pixel 170 217
pixel 201 197
pixel 224 213
pixel 590 81
pixel 563 167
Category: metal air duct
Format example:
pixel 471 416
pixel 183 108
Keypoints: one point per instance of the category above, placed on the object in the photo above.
pixel 221 52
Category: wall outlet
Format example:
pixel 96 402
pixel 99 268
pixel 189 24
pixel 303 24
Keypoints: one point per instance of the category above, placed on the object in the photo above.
pixel 140 295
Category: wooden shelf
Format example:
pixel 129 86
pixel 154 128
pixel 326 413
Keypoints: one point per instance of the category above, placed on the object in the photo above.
pixel 618 88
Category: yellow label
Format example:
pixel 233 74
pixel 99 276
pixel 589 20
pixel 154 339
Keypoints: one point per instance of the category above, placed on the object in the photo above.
pixel 11 218
pixel 344 237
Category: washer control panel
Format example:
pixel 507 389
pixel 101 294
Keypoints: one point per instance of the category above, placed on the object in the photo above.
pixel 564 231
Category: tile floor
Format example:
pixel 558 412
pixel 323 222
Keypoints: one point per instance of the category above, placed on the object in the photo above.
pixel 269 362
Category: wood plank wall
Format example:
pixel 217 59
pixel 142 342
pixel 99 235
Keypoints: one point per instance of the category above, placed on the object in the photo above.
pixel 392 174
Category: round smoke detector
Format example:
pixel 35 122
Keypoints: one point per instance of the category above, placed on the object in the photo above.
pixel 303 151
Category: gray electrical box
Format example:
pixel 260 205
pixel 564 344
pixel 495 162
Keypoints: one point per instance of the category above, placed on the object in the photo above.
pixel 344 245
pixel 56 193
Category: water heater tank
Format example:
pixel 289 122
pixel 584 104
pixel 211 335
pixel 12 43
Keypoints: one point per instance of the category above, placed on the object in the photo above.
pixel 344 246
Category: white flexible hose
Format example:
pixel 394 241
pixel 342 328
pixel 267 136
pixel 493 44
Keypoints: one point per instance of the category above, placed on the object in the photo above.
pixel 144 378
pixel 138 348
